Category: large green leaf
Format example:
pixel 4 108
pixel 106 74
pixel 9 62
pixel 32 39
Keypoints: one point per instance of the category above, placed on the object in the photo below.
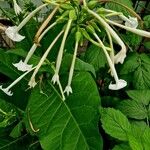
pixel 133 109
pixel 79 65
pixel 115 124
pixel 119 8
pixel 139 65
pixel 70 124
pixel 141 96
pixel 95 56
pixel 6 66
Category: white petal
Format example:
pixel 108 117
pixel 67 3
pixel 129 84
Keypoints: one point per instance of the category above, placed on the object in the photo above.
pixel 23 66
pixel 119 85
pixel 6 90
pixel 13 34
pixel 119 57
pixel 55 78
pixel 133 22
pixel 17 8
pixel 32 83
pixel 68 90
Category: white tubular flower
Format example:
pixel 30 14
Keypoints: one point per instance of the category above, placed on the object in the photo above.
pixel 12 32
pixel 118 85
pixel 55 78
pixel 17 8
pixel 68 88
pixel 119 57
pixel 132 22
pixel 7 90
pixel 21 66
pixel 114 35
pixel 133 30
pixel 119 82
pixel 32 82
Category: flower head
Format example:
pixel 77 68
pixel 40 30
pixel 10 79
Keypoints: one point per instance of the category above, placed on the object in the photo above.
pixel 17 8
pixel 119 57
pixel 13 34
pixel 132 22
pixel 32 83
pixel 22 66
pixel 6 90
pixel 68 90
pixel 118 85
pixel 55 78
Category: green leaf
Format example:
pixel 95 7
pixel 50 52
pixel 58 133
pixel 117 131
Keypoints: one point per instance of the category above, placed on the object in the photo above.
pixel 115 6
pixel 16 132
pixel 6 66
pixel 96 57
pixel 79 65
pixel 70 124
pixel 115 124
pixel 7 114
pixel 145 138
pixel 134 143
pixel 141 96
pixel 147 45
pixel 122 147
pixel 131 63
pixel 147 21
pixel 139 65
pixel 133 109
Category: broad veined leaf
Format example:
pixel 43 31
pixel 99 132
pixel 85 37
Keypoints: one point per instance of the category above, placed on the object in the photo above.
pixel 141 96
pixel 71 124
pixel 131 63
pixel 139 65
pixel 79 65
pixel 122 147
pixel 134 143
pixel 115 124
pixel 6 66
pixel 145 138
pixel 119 7
pixel 96 57
pixel 133 109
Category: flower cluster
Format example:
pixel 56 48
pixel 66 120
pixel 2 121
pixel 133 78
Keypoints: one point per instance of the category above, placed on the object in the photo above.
pixel 85 22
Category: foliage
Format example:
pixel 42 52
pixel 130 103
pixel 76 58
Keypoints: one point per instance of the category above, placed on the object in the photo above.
pixel 92 51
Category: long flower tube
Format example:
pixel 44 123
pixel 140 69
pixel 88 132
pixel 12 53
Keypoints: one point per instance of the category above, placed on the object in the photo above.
pixel 55 78
pixel 68 88
pixel 121 55
pixel 7 90
pixel 17 8
pixel 119 82
pixel 23 65
pixel 44 24
pixel 12 32
pixel 133 30
pixel 32 82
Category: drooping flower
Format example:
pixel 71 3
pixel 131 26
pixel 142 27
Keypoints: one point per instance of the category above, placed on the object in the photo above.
pixel 22 66
pixel 7 90
pixel 12 32
pixel 55 78
pixel 114 36
pixel 132 22
pixel 17 8
pixel 118 85
pixel 68 90
pixel 119 82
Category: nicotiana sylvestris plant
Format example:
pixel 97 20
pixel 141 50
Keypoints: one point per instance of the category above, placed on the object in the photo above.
pixel 75 16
